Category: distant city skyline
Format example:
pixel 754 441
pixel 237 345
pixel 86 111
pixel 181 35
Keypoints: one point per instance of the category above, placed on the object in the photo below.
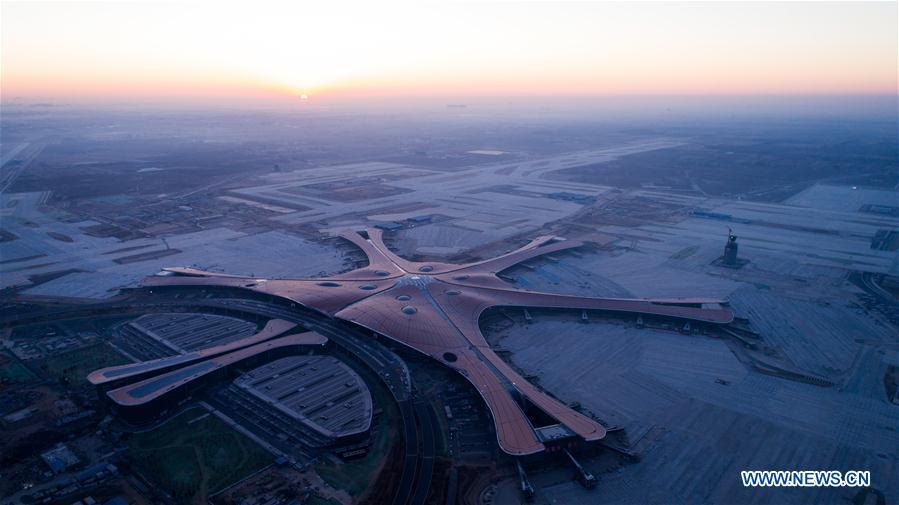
pixel 243 51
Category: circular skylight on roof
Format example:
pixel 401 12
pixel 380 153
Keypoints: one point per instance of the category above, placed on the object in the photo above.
pixel 408 309
pixel 404 298
pixel 368 287
pixel 460 277
pixel 452 292
pixel 329 284
pixel 426 268
pixel 381 273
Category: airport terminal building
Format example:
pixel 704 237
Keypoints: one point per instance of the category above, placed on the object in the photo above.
pixel 313 400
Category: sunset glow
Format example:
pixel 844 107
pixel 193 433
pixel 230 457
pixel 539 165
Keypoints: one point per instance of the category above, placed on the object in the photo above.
pixel 169 50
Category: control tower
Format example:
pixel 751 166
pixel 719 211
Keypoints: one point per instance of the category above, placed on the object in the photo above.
pixel 730 249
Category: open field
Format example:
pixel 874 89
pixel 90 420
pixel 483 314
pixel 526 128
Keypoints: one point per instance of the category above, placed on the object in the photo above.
pixel 195 454
pixel 74 366
pixel 14 372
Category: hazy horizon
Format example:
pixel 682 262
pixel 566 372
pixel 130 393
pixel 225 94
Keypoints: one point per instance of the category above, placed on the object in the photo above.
pixel 206 54
pixel 592 109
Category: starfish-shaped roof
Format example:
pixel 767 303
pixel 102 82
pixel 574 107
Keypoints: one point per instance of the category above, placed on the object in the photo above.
pixel 434 308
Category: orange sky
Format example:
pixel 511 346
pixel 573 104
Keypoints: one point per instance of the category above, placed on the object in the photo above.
pixel 257 50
